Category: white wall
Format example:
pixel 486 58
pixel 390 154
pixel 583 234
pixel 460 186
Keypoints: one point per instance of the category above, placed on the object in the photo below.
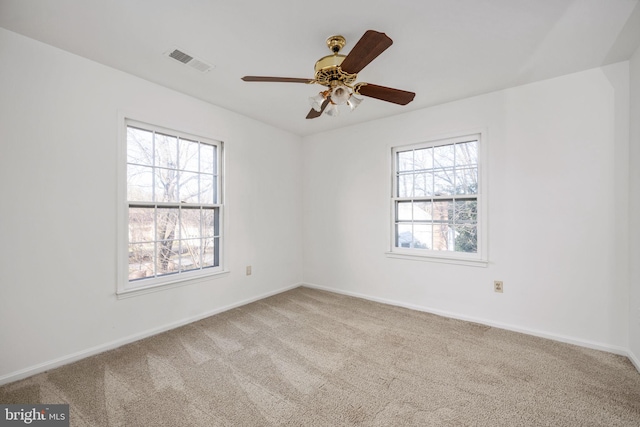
pixel 58 162
pixel 634 213
pixel 558 210
pixel 560 205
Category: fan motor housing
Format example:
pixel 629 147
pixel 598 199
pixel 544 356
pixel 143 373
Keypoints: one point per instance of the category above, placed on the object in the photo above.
pixel 329 61
pixel 328 70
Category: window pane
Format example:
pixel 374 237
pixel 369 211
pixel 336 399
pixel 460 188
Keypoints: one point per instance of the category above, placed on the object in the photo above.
pixel 467 181
pixel 207 158
pixel 443 156
pixel 443 211
pixel 404 235
pixel 190 223
pixel 466 211
pixel 211 256
pixel 207 189
pixel 404 211
pixel 422 236
pixel 405 161
pixel 168 258
pixel 189 192
pixel 141 225
pixel 442 236
pixel 210 220
pixel 141 263
pixel 209 253
pixel 167 224
pixel 423 158
pixel 422 211
pixel 443 183
pixel 190 254
pixel 466 238
pixel 467 153
pixel 139 146
pixel 139 183
pixel 166 185
pixel 188 155
pixel 423 184
pixel 405 185
pixel 166 151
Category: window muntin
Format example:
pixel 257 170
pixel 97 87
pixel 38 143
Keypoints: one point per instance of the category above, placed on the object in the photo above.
pixel 436 198
pixel 174 205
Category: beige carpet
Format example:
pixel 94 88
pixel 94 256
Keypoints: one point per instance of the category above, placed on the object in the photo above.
pixel 313 358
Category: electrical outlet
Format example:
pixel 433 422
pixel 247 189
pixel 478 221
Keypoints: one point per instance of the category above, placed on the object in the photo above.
pixel 497 286
pixel 248 270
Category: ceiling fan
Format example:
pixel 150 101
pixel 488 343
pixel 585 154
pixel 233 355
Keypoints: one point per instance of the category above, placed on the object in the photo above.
pixel 339 73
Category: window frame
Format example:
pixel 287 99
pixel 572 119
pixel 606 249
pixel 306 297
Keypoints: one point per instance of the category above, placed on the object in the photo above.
pixel 126 287
pixel 479 258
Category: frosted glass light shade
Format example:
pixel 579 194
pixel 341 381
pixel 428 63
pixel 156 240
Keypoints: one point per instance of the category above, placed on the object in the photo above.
pixel 316 101
pixel 353 102
pixel 340 94
pixel 332 110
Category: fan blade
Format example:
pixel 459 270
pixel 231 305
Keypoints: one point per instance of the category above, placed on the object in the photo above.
pixel 314 114
pixel 388 94
pixel 276 79
pixel 366 50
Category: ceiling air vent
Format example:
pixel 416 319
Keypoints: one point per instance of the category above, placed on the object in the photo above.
pixel 189 60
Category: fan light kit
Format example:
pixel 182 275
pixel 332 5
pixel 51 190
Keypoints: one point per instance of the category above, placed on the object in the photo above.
pixel 338 73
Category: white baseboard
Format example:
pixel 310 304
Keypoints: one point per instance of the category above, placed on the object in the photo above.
pixel 555 337
pixel 64 360
pixel 634 359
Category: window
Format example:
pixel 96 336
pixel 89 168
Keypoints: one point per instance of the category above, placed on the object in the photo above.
pixel 174 206
pixel 436 202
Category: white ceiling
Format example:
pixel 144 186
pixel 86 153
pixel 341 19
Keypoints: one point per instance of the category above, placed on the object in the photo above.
pixel 443 49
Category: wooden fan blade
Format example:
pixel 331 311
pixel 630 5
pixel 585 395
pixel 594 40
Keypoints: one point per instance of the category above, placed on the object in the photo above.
pixel 276 79
pixel 370 45
pixel 397 96
pixel 314 114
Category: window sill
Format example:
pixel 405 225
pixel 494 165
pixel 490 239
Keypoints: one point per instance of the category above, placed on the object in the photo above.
pixel 178 282
pixel 441 259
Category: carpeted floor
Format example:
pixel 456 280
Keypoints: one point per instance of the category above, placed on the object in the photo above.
pixel 314 358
